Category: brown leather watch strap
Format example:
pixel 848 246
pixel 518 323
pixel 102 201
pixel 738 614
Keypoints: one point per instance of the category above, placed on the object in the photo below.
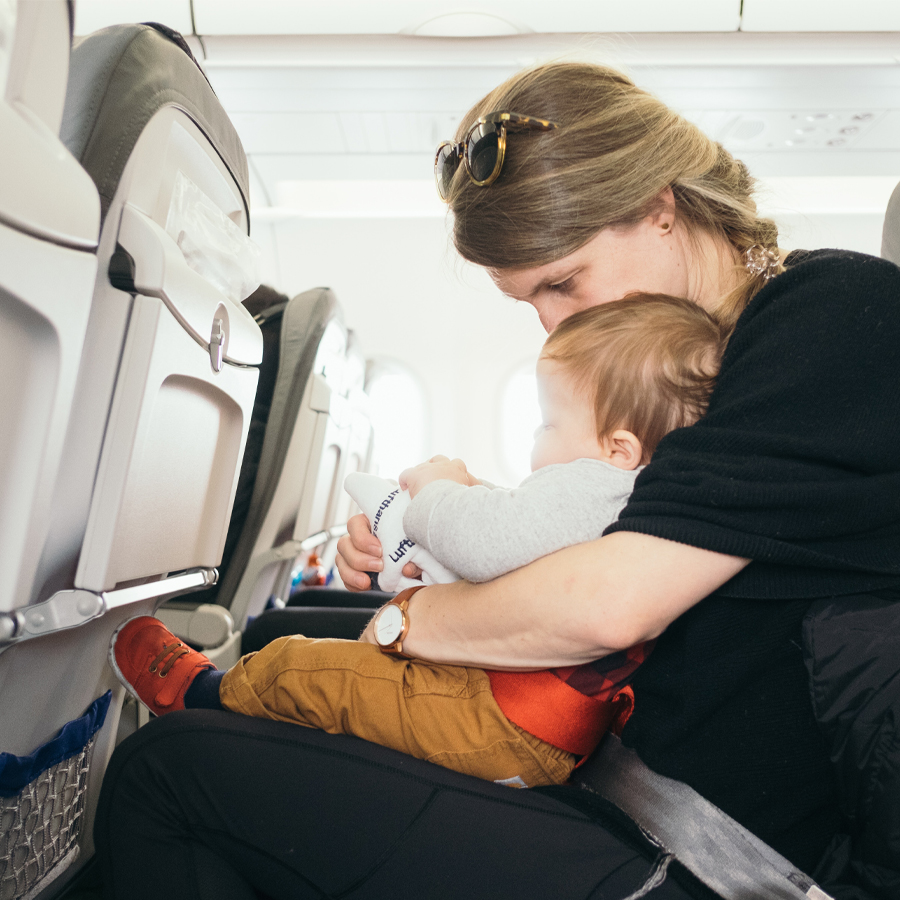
pixel 402 601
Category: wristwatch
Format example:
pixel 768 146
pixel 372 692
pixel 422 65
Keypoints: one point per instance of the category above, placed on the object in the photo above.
pixel 391 623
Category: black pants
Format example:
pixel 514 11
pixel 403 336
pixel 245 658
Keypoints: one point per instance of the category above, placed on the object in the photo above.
pixel 215 806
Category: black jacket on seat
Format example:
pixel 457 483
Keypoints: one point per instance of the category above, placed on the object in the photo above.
pixel 852 650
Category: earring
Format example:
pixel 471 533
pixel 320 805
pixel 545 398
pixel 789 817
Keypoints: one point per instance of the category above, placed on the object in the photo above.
pixel 763 261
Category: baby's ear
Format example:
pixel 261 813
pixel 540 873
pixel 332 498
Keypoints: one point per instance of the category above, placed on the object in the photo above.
pixel 623 449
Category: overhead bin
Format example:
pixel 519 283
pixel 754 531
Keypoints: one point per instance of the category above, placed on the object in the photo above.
pixel 92 15
pixel 452 19
pixel 816 15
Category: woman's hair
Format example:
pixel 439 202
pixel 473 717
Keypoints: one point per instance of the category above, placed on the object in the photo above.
pixel 647 362
pixel 615 150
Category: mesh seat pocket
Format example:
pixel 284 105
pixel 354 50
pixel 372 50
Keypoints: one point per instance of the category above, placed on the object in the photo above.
pixel 42 805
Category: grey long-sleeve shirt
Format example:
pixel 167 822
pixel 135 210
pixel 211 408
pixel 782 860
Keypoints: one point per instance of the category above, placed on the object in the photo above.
pixel 483 532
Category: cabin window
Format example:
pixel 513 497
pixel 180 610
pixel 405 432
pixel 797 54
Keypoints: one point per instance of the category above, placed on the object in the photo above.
pixel 399 417
pixel 519 416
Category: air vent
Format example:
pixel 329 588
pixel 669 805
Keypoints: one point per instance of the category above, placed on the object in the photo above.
pixel 747 129
pixel 787 129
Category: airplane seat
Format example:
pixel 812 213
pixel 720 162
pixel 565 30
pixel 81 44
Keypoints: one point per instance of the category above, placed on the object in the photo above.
pixel 49 222
pixel 316 429
pixel 317 611
pixel 890 236
pixel 164 382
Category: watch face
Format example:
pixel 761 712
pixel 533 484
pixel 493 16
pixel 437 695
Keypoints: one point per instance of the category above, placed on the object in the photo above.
pixel 389 625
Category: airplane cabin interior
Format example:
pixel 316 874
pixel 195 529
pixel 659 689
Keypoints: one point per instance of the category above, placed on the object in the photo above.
pixel 227 282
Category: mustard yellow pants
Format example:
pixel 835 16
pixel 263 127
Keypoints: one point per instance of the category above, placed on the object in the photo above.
pixel 444 714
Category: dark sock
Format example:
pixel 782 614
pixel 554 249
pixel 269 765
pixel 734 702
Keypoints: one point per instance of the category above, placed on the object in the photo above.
pixel 204 691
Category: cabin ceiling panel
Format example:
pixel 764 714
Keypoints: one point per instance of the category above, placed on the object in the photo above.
pixel 350 110
pixel 91 15
pixel 290 132
pixel 884 134
pixel 635 49
pixel 374 109
pixel 821 15
pixel 450 18
pixel 274 168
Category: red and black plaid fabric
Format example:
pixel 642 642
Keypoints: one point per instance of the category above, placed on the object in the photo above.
pixel 604 678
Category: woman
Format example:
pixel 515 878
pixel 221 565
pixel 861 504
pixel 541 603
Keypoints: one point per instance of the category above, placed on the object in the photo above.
pixel 796 468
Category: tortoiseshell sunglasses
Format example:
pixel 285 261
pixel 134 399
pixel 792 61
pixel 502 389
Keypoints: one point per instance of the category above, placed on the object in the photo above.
pixel 483 149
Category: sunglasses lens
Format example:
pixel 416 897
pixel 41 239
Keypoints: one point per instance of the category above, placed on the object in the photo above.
pixel 483 151
pixel 445 166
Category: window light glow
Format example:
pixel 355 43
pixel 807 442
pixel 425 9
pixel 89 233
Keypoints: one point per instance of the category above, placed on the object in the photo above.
pixel 519 416
pixel 399 419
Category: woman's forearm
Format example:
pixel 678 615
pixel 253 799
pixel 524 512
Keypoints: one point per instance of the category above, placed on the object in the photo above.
pixel 568 608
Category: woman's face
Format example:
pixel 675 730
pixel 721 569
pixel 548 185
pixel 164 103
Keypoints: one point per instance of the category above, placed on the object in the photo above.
pixel 650 256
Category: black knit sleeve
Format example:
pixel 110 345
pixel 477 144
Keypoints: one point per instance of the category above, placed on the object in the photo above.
pixel 797 463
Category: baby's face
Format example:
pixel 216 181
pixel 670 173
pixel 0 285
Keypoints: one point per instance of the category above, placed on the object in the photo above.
pixel 567 431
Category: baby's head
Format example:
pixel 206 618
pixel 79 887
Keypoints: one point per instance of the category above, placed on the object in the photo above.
pixel 614 379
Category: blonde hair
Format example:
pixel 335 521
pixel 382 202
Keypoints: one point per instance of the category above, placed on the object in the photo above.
pixel 648 363
pixel 617 148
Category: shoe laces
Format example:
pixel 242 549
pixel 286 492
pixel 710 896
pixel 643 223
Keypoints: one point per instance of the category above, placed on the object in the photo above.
pixel 174 652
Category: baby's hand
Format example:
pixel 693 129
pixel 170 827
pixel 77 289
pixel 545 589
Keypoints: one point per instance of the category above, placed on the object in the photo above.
pixel 436 469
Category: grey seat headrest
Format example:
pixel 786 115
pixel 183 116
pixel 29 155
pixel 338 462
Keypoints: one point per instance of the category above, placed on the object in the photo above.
pixel 119 78
pixel 890 236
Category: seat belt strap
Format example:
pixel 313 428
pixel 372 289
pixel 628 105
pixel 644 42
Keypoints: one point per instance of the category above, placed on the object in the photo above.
pixel 547 707
pixel 721 853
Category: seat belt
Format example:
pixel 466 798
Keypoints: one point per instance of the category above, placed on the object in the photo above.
pixel 718 851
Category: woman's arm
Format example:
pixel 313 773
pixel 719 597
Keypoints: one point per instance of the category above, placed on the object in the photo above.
pixel 568 608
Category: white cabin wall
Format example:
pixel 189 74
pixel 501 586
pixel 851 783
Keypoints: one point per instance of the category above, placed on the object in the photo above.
pixel 861 232
pixel 409 297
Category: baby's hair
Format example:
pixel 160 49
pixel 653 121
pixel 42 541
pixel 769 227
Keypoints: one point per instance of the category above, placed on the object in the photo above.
pixel 648 361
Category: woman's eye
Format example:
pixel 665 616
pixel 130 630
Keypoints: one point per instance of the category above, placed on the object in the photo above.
pixel 562 287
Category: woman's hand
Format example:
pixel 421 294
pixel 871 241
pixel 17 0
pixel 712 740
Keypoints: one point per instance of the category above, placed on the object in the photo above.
pixel 438 468
pixel 359 553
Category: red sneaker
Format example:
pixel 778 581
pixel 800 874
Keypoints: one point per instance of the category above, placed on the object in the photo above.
pixel 153 664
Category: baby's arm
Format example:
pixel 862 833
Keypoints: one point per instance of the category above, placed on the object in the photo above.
pixel 482 533
pixel 437 468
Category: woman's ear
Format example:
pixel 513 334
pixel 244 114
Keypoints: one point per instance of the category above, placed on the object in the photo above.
pixel 623 450
pixel 663 215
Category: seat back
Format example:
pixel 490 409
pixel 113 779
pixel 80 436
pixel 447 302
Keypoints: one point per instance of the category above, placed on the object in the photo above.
pixel 890 236
pixel 49 221
pixel 317 429
pixel 140 502
pixel 146 125
pixel 313 431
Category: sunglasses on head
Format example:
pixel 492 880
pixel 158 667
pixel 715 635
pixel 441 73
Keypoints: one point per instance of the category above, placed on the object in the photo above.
pixel 482 150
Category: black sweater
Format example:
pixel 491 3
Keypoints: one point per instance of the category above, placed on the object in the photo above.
pixel 797 466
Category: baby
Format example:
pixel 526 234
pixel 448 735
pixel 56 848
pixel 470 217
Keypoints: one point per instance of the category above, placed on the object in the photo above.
pixel 613 380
